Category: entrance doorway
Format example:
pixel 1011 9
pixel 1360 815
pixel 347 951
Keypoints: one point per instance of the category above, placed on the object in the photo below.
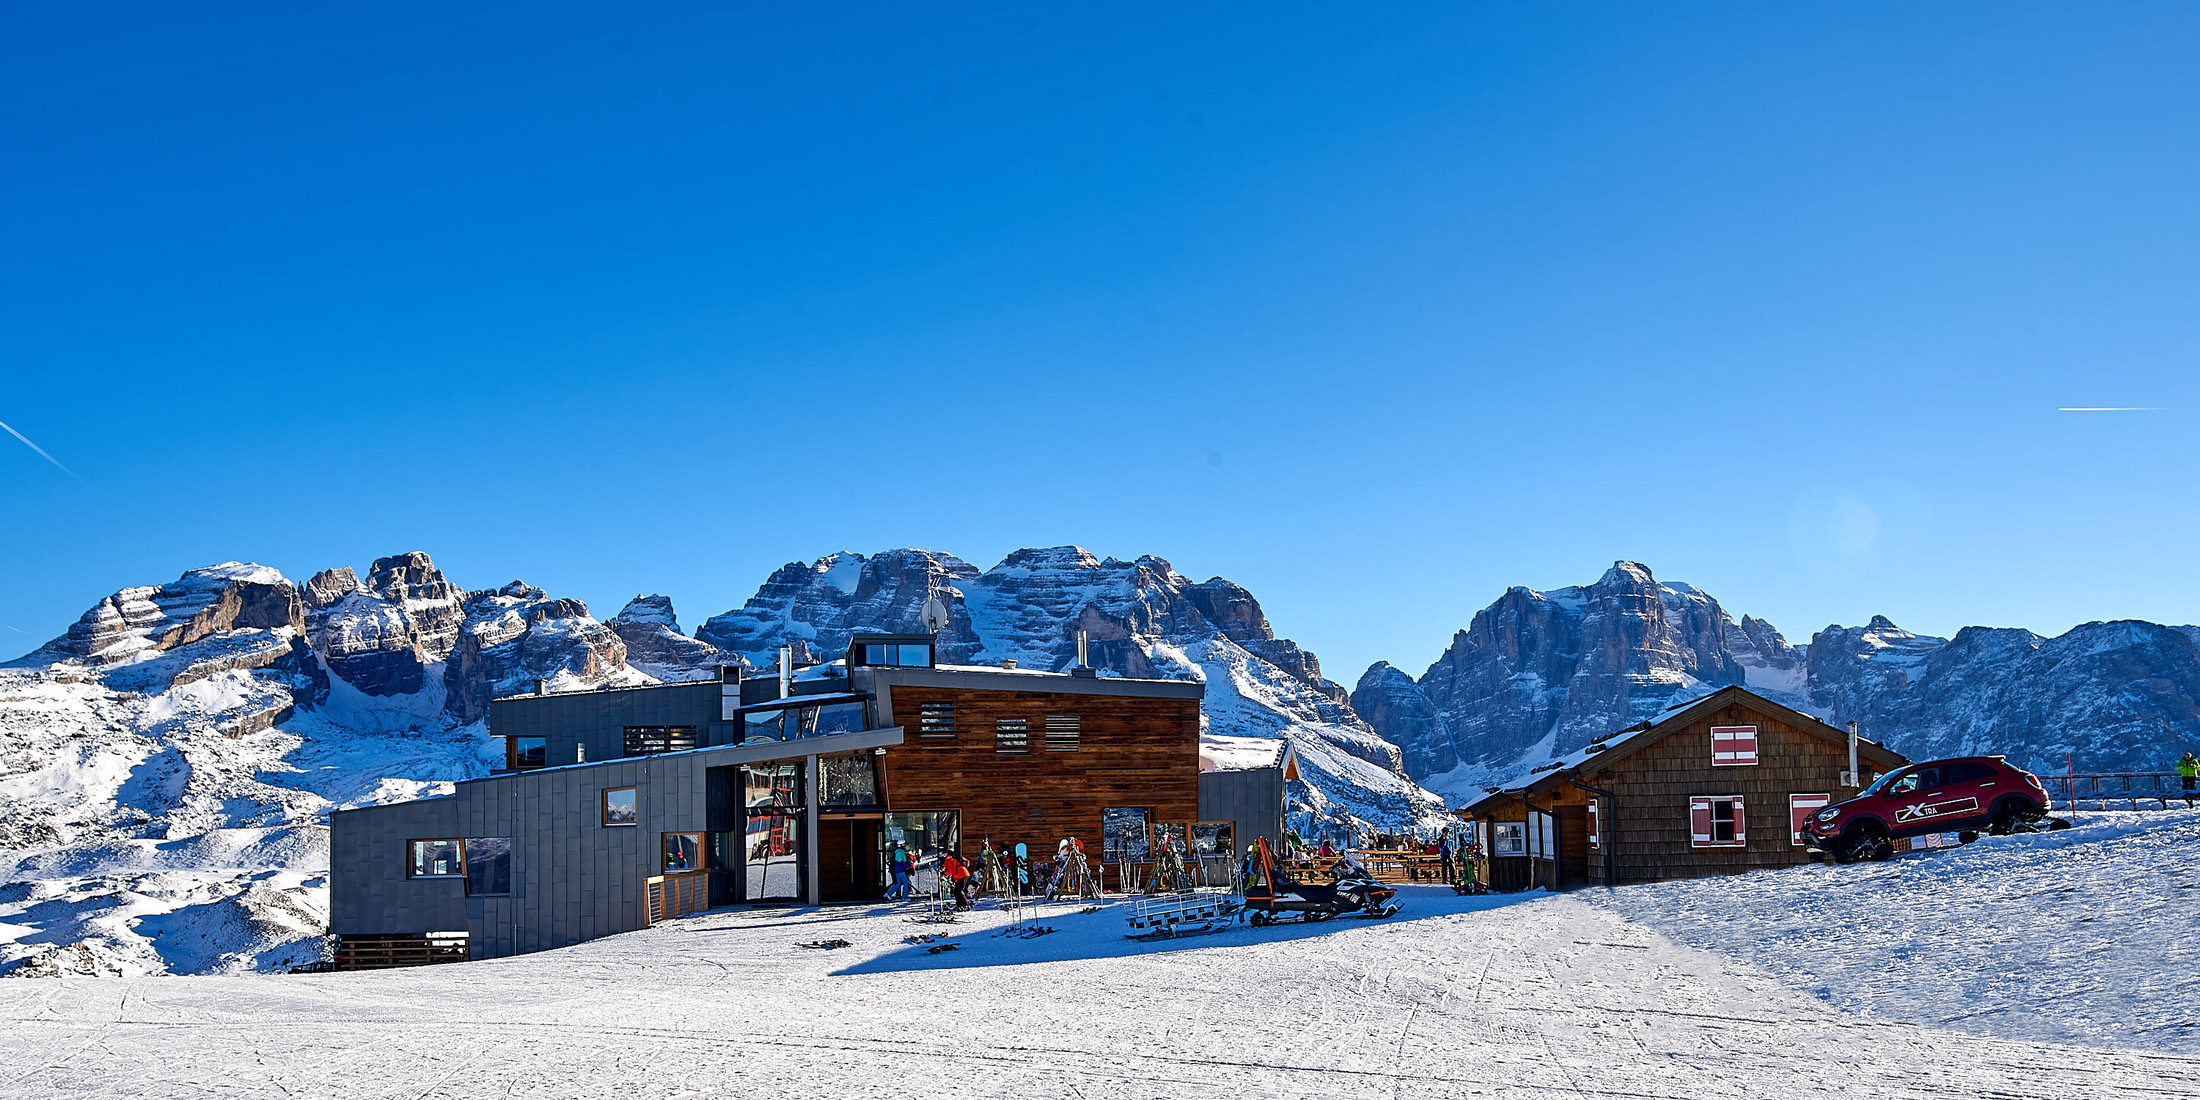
pixel 850 865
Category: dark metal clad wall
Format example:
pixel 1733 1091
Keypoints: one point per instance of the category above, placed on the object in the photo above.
pixel 597 720
pixel 1252 799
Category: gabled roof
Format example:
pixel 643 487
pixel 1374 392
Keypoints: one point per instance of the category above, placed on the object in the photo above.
pixel 1221 753
pixel 1604 753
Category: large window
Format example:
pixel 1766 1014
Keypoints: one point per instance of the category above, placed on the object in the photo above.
pixel 437 859
pixel 530 752
pixel 772 795
pixel 787 720
pixel 621 807
pixel 1123 833
pixel 1062 733
pixel 902 655
pixel 926 834
pixel 485 862
pixel 488 865
pixel 1213 838
pixel 848 781
pixel 651 740
pixel 772 786
pixel 683 853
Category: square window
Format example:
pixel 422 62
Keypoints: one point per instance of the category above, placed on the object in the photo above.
pixel 1011 735
pixel 530 752
pixel 621 807
pixel 936 722
pixel 1717 821
pixel 1511 839
pixel 683 853
pixel 1733 746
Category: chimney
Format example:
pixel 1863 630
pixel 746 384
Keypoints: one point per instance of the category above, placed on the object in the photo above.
pixel 1851 778
pixel 1082 637
pixel 1083 669
pixel 1008 662
pixel 580 754
pixel 542 687
pixel 786 671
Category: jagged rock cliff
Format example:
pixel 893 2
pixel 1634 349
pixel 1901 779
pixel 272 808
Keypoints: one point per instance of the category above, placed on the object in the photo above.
pixel 655 645
pixel 1540 673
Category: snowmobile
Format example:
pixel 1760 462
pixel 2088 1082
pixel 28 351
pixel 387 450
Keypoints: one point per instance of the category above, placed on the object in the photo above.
pixel 1272 897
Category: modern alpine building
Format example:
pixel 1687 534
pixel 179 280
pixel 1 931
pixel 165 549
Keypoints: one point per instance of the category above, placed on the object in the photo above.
pixel 625 806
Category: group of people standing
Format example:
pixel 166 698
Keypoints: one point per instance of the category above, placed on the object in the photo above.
pixel 1455 855
pixel 995 870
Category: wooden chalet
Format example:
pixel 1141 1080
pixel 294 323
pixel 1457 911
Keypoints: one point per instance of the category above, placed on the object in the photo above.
pixel 1717 785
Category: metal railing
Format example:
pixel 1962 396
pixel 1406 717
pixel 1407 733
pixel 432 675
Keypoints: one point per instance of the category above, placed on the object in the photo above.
pixel 2104 789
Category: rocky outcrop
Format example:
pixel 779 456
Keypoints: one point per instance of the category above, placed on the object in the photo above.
pixel 825 602
pixel 655 645
pixel 518 634
pixel 430 602
pixel 136 624
pixel 1551 671
pixel 1388 700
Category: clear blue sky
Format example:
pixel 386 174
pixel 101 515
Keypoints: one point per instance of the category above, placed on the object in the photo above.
pixel 1373 311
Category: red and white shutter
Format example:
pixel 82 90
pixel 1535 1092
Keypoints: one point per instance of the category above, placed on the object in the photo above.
pixel 1741 822
pixel 1800 807
pixel 1595 838
pixel 1733 746
pixel 1699 823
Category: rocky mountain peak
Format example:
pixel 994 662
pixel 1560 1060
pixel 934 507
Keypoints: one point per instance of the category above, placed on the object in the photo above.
pixel 655 645
pixel 138 623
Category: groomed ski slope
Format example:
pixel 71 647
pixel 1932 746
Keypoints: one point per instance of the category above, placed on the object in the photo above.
pixel 1531 996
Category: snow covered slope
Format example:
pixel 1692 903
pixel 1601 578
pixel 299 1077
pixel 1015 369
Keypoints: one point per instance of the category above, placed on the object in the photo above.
pixel 1531 997
pixel 1143 618
pixel 2080 936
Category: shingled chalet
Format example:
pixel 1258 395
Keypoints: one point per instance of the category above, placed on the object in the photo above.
pixel 1717 785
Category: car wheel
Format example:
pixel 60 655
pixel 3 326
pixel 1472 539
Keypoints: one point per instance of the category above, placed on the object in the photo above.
pixel 1966 837
pixel 2008 817
pixel 1883 851
pixel 1861 844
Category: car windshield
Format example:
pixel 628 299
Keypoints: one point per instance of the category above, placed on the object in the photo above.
pixel 1880 784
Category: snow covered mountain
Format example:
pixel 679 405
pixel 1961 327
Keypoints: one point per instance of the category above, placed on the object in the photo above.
pixel 1540 674
pixel 167 765
pixel 1142 618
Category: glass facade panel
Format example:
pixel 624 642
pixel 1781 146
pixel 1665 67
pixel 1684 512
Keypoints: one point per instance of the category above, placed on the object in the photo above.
pixel 437 859
pixel 1213 838
pixel 926 834
pixel 772 786
pixel 844 781
pixel 772 856
pixel 820 721
pixel 488 865
pixel 651 740
pixel 914 656
pixel 1125 834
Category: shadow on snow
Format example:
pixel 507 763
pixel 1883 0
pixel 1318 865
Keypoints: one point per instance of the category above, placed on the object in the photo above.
pixel 1082 936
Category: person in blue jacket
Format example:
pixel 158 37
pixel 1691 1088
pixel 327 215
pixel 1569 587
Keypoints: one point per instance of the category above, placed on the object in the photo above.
pixel 899 863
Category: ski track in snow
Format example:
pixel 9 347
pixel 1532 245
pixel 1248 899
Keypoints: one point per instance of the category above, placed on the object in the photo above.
pixel 1524 996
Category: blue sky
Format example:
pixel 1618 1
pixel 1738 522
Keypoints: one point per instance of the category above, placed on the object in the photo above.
pixel 1375 312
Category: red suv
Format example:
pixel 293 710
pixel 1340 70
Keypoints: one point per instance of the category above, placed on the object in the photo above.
pixel 1969 794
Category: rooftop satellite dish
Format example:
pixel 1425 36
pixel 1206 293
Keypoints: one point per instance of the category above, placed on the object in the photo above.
pixel 935 615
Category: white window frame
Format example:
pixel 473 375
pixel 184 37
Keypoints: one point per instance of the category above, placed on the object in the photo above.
pixel 1509 839
pixel 1709 803
pixel 1736 756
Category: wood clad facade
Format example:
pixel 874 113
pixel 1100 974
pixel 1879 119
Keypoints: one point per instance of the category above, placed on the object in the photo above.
pixel 1130 751
pixel 1664 796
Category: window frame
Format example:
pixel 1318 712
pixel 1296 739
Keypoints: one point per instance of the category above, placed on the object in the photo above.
pixel 466 856
pixel 1508 839
pixel 604 806
pixel 1742 746
pixel 664 852
pixel 1708 806
pixel 412 856
pixel 513 743
pixel 635 741
pixel 1012 736
pixel 936 722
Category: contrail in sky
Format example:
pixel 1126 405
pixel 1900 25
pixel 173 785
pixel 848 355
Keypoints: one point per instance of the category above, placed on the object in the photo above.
pixel 2111 409
pixel 41 450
